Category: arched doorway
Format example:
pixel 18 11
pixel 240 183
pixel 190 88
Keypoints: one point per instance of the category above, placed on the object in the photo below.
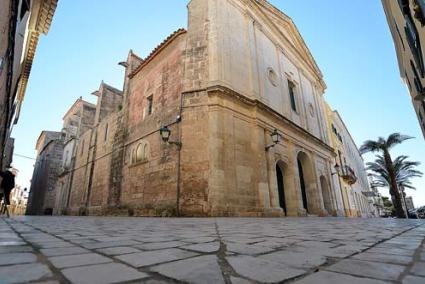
pixel 308 184
pixel 281 188
pixel 302 185
pixel 327 202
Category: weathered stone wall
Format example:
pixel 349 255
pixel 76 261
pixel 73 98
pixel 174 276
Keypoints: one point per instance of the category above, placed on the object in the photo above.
pixel 152 181
pixel 109 101
pixel 101 179
pixel 54 158
pixel 79 185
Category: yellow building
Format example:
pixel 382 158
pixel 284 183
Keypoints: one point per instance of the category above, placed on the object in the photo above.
pixel 350 176
pixel 406 19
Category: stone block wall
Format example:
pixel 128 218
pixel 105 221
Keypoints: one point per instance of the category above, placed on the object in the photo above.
pixel 149 185
pixel 42 196
pixel 102 162
pixel 80 173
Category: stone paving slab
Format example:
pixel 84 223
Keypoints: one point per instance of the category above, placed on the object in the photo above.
pixel 154 257
pixel 262 270
pixel 78 260
pixel 16 258
pixel 211 250
pixel 23 273
pixel 410 279
pixel 202 269
pixel 118 250
pixel 295 259
pixel 326 277
pixel 102 273
pixel 376 270
pixel 63 251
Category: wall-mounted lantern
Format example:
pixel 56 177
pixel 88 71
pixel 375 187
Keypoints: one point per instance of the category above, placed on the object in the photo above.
pixel 275 139
pixel 165 133
pixel 337 170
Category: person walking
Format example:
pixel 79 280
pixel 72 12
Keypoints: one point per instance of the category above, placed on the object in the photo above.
pixel 7 184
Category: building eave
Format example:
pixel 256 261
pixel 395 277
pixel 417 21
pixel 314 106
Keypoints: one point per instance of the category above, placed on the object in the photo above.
pixel 157 50
pixel 40 22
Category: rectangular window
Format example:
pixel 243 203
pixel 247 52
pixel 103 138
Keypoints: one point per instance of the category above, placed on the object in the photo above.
pixel 416 80
pixel 150 104
pixel 291 87
pixel 414 43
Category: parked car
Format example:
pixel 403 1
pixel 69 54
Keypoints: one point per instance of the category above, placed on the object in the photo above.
pixel 413 214
pixel 421 212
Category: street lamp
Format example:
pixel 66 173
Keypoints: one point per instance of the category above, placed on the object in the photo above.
pixel 275 139
pixel 165 133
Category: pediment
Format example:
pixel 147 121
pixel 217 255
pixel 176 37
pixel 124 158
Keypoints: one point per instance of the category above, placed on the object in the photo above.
pixel 285 27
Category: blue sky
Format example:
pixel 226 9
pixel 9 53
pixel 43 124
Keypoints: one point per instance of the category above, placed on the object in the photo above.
pixel 350 41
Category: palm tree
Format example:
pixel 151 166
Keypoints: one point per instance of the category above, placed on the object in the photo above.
pixel 383 146
pixel 404 169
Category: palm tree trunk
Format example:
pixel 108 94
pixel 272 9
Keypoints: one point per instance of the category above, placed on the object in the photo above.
pixel 394 187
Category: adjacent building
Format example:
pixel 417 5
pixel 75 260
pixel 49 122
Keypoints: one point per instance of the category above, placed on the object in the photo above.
pixel 409 203
pixel 18 201
pixel 350 176
pixel 21 23
pixel 224 118
pixel 77 120
pixel 42 195
pixel 406 19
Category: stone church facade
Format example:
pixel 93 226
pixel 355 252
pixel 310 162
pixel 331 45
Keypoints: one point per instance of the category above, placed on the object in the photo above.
pixel 240 72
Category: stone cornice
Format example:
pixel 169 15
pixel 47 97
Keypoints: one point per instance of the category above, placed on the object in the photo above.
pixel 45 15
pixel 260 105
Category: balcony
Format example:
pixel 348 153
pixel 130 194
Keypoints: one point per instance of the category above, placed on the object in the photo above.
pixel 419 9
pixel 420 96
pixel 348 175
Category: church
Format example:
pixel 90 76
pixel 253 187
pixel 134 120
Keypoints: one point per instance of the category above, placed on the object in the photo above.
pixel 224 118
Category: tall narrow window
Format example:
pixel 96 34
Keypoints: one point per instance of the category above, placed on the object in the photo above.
pixel 150 104
pixel 25 6
pixel 82 148
pixel 106 133
pixel 291 87
pixel 416 80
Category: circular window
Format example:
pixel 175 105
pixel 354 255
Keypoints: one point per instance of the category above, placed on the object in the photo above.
pixel 271 74
pixel 311 109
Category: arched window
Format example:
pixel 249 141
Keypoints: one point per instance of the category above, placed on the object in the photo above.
pixel 139 153
pixel 133 156
pixel 145 151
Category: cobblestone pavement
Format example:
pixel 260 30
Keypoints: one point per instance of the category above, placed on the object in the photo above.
pixel 213 250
